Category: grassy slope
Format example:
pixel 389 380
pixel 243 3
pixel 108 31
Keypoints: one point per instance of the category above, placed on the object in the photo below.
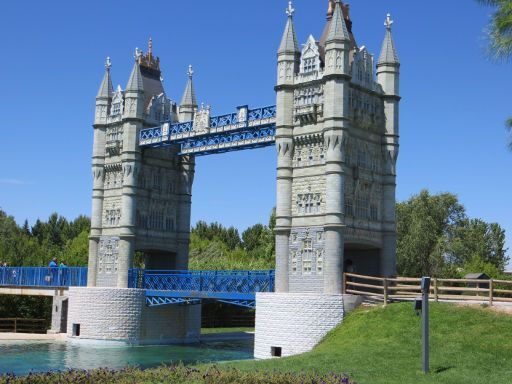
pixel 382 345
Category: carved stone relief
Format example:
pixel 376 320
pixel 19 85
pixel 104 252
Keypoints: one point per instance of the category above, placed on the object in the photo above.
pixel 307 251
pixel 308 196
pixel 309 151
pixel 108 255
pixel 112 212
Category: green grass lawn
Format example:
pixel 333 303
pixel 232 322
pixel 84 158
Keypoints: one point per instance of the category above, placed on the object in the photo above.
pixel 383 345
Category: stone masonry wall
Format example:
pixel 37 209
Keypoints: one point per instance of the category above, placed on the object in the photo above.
pixel 171 324
pixel 295 322
pixel 106 313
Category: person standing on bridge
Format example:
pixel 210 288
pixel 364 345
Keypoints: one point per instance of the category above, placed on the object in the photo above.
pixel 52 271
pixel 3 272
pixel 63 273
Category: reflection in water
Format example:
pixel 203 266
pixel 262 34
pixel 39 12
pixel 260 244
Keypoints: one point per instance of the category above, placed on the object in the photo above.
pixel 22 357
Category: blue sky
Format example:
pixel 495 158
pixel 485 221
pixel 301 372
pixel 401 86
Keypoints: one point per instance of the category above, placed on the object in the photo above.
pixel 454 99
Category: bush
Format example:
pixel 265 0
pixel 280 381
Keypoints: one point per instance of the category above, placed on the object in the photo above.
pixel 174 375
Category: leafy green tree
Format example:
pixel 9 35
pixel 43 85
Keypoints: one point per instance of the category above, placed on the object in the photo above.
pixel 424 224
pixel 254 237
pixel 216 231
pixel 500 28
pixel 76 251
pixel 475 239
pixel 436 238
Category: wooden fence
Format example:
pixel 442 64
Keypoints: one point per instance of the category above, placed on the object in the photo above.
pixel 17 325
pixel 408 288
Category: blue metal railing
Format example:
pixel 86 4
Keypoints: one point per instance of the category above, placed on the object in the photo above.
pixel 43 277
pixel 203 281
pixel 207 282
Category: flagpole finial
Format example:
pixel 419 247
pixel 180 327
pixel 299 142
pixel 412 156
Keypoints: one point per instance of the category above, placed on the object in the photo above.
pixel 290 10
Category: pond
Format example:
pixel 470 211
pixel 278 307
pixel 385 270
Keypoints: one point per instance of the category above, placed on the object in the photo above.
pixel 23 357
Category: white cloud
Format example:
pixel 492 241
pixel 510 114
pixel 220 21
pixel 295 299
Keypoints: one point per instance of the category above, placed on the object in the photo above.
pixel 13 182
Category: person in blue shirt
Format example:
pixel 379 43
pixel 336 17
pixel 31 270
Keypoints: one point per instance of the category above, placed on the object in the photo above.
pixel 52 272
pixel 63 273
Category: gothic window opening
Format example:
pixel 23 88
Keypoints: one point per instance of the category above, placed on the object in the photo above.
pixel 374 212
pixel 349 207
pixel 116 109
pixel 294 262
pixel 319 260
pixel 361 159
pixel 307 255
pixel 362 206
pixel 156 181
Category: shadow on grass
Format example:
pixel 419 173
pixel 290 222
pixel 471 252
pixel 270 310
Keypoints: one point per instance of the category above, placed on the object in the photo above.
pixel 442 369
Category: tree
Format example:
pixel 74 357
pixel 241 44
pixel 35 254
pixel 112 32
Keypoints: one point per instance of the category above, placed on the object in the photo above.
pixel 436 238
pixel 500 29
pixel 500 35
pixel 253 237
pixel 424 223
pixel 475 240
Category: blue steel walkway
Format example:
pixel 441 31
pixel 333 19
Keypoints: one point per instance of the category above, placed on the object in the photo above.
pixel 244 129
pixel 162 287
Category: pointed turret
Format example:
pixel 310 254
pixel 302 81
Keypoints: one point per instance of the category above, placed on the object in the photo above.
pixel 189 96
pixel 104 97
pixel 288 55
pixel 134 93
pixel 337 44
pixel 388 66
pixel 135 83
pixel 289 42
pixel 338 28
pixel 388 54
pixel 106 88
pixel 188 102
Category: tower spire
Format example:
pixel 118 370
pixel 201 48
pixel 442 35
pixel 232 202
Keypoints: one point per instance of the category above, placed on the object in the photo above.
pixel 388 54
pixel 289 42
pixel 189 96
pixel 135 83
pixel 338 29
pixel 106 88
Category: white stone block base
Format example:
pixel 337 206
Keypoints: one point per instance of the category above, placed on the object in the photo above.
pixel 120 316
pixel 294 322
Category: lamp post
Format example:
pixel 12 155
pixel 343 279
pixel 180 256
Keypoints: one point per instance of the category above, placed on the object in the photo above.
pixel 425 290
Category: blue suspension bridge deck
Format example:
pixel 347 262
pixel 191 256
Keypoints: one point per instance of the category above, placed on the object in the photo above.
pixel 162 287
pixel 245 129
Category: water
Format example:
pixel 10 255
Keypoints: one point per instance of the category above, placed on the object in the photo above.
pixel 22 357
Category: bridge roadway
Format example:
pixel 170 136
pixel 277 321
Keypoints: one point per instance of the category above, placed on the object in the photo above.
pixel 162 287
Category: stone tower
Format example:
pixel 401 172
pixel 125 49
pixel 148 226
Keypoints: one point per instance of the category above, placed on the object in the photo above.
pixel 141 199
pixel 141 203
pixel 337 145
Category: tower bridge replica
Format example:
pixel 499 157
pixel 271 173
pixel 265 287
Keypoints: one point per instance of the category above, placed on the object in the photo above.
pixel 334 124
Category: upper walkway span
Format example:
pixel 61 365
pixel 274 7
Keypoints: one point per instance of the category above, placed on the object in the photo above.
pixel 162 287
pixel 244 129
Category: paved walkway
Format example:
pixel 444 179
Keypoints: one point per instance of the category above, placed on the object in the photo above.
pixel 30 336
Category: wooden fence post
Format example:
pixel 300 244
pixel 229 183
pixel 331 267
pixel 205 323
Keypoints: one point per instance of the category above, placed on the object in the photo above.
pixel 385 291
pixel 15 325
pixel 491 289
pixel 344 284
pixel 436 294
